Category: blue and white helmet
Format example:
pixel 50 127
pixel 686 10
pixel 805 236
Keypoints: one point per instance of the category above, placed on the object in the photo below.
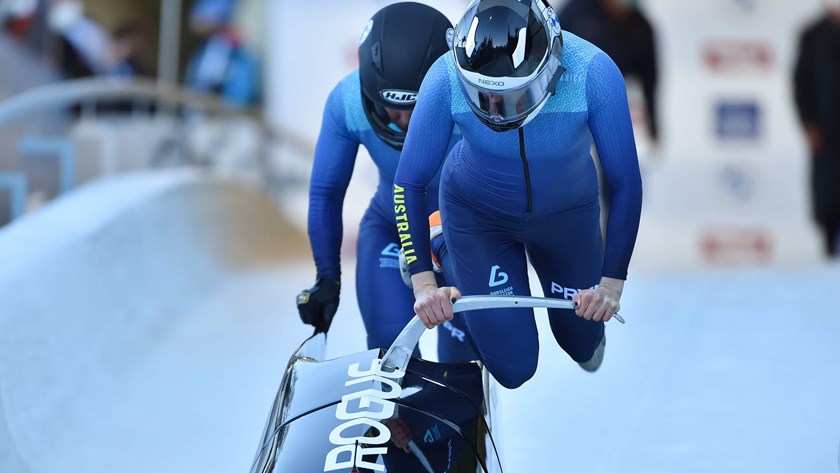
pixel 508 57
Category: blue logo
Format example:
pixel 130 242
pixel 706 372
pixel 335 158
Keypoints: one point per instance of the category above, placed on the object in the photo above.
pixel 392 250
pixel 738 121
pixel 432 434
pixel 552 17
pixel 738 182
pixel 497 278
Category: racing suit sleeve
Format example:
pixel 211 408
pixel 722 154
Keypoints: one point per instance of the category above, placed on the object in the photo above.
pixel 335 156
pixel 612 130
pixel 425 150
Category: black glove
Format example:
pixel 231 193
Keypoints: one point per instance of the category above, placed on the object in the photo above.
pixel 317 305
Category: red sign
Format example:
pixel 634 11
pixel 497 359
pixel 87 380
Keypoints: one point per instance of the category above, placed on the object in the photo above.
pixel 738 56
pixel 732 246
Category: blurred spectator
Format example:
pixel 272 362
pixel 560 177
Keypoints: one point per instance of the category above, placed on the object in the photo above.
pixel 622 31
pixel 86 49
pixel 17 16
pixel 221 65
pixel 26 22
pixel 128 42
pixel 817 93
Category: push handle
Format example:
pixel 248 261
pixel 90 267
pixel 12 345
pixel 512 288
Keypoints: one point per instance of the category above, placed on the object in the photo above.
pixel 399 354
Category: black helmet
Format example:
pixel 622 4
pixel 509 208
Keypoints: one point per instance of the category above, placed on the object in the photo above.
pixel 398 46
pixel 507 54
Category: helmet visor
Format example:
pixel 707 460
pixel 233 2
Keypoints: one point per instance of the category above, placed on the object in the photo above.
pixel 500 103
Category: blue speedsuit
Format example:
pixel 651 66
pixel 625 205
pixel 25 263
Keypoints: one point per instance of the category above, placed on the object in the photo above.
pixel 385 302
pixel 526 194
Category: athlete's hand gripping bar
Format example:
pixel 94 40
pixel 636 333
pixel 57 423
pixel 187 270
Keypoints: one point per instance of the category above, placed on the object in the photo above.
pixel 399 353
pixel 507 302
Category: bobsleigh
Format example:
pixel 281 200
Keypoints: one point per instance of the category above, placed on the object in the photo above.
pixel 385 410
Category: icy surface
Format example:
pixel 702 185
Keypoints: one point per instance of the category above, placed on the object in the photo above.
pixel 714 371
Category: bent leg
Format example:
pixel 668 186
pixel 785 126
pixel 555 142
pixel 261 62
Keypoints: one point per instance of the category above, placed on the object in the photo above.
pixel 454 341
pixel 567 259
pixel 488 261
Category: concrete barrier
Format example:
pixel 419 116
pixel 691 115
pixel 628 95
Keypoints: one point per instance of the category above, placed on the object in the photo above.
pixel 99 276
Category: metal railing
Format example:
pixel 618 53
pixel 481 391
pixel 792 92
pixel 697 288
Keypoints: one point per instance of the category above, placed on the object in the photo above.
pixel 95 98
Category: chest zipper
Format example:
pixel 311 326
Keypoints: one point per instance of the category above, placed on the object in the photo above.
pixel 526 170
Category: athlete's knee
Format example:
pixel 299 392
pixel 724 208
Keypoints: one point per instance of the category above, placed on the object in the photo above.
pixel 513 373
pixel 581 354
pixel 583 346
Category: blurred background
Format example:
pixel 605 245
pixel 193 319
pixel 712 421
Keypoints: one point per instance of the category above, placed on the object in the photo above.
pixel 154 168
pixel 726 163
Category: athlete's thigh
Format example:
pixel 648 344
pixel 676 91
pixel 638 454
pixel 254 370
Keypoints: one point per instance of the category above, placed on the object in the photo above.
pixel 488 260
pixel 568 257
pixel 454 341
pixel 385 301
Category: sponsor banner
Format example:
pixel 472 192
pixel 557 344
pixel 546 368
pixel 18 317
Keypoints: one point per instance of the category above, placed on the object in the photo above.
pixel 738 120
pixel 733 245
pixel 679 245
pixel 739 56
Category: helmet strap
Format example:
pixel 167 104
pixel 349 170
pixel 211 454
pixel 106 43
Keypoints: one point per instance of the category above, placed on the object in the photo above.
pixel 552 84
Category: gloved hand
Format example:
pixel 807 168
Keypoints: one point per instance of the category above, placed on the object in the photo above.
pixel 318 304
